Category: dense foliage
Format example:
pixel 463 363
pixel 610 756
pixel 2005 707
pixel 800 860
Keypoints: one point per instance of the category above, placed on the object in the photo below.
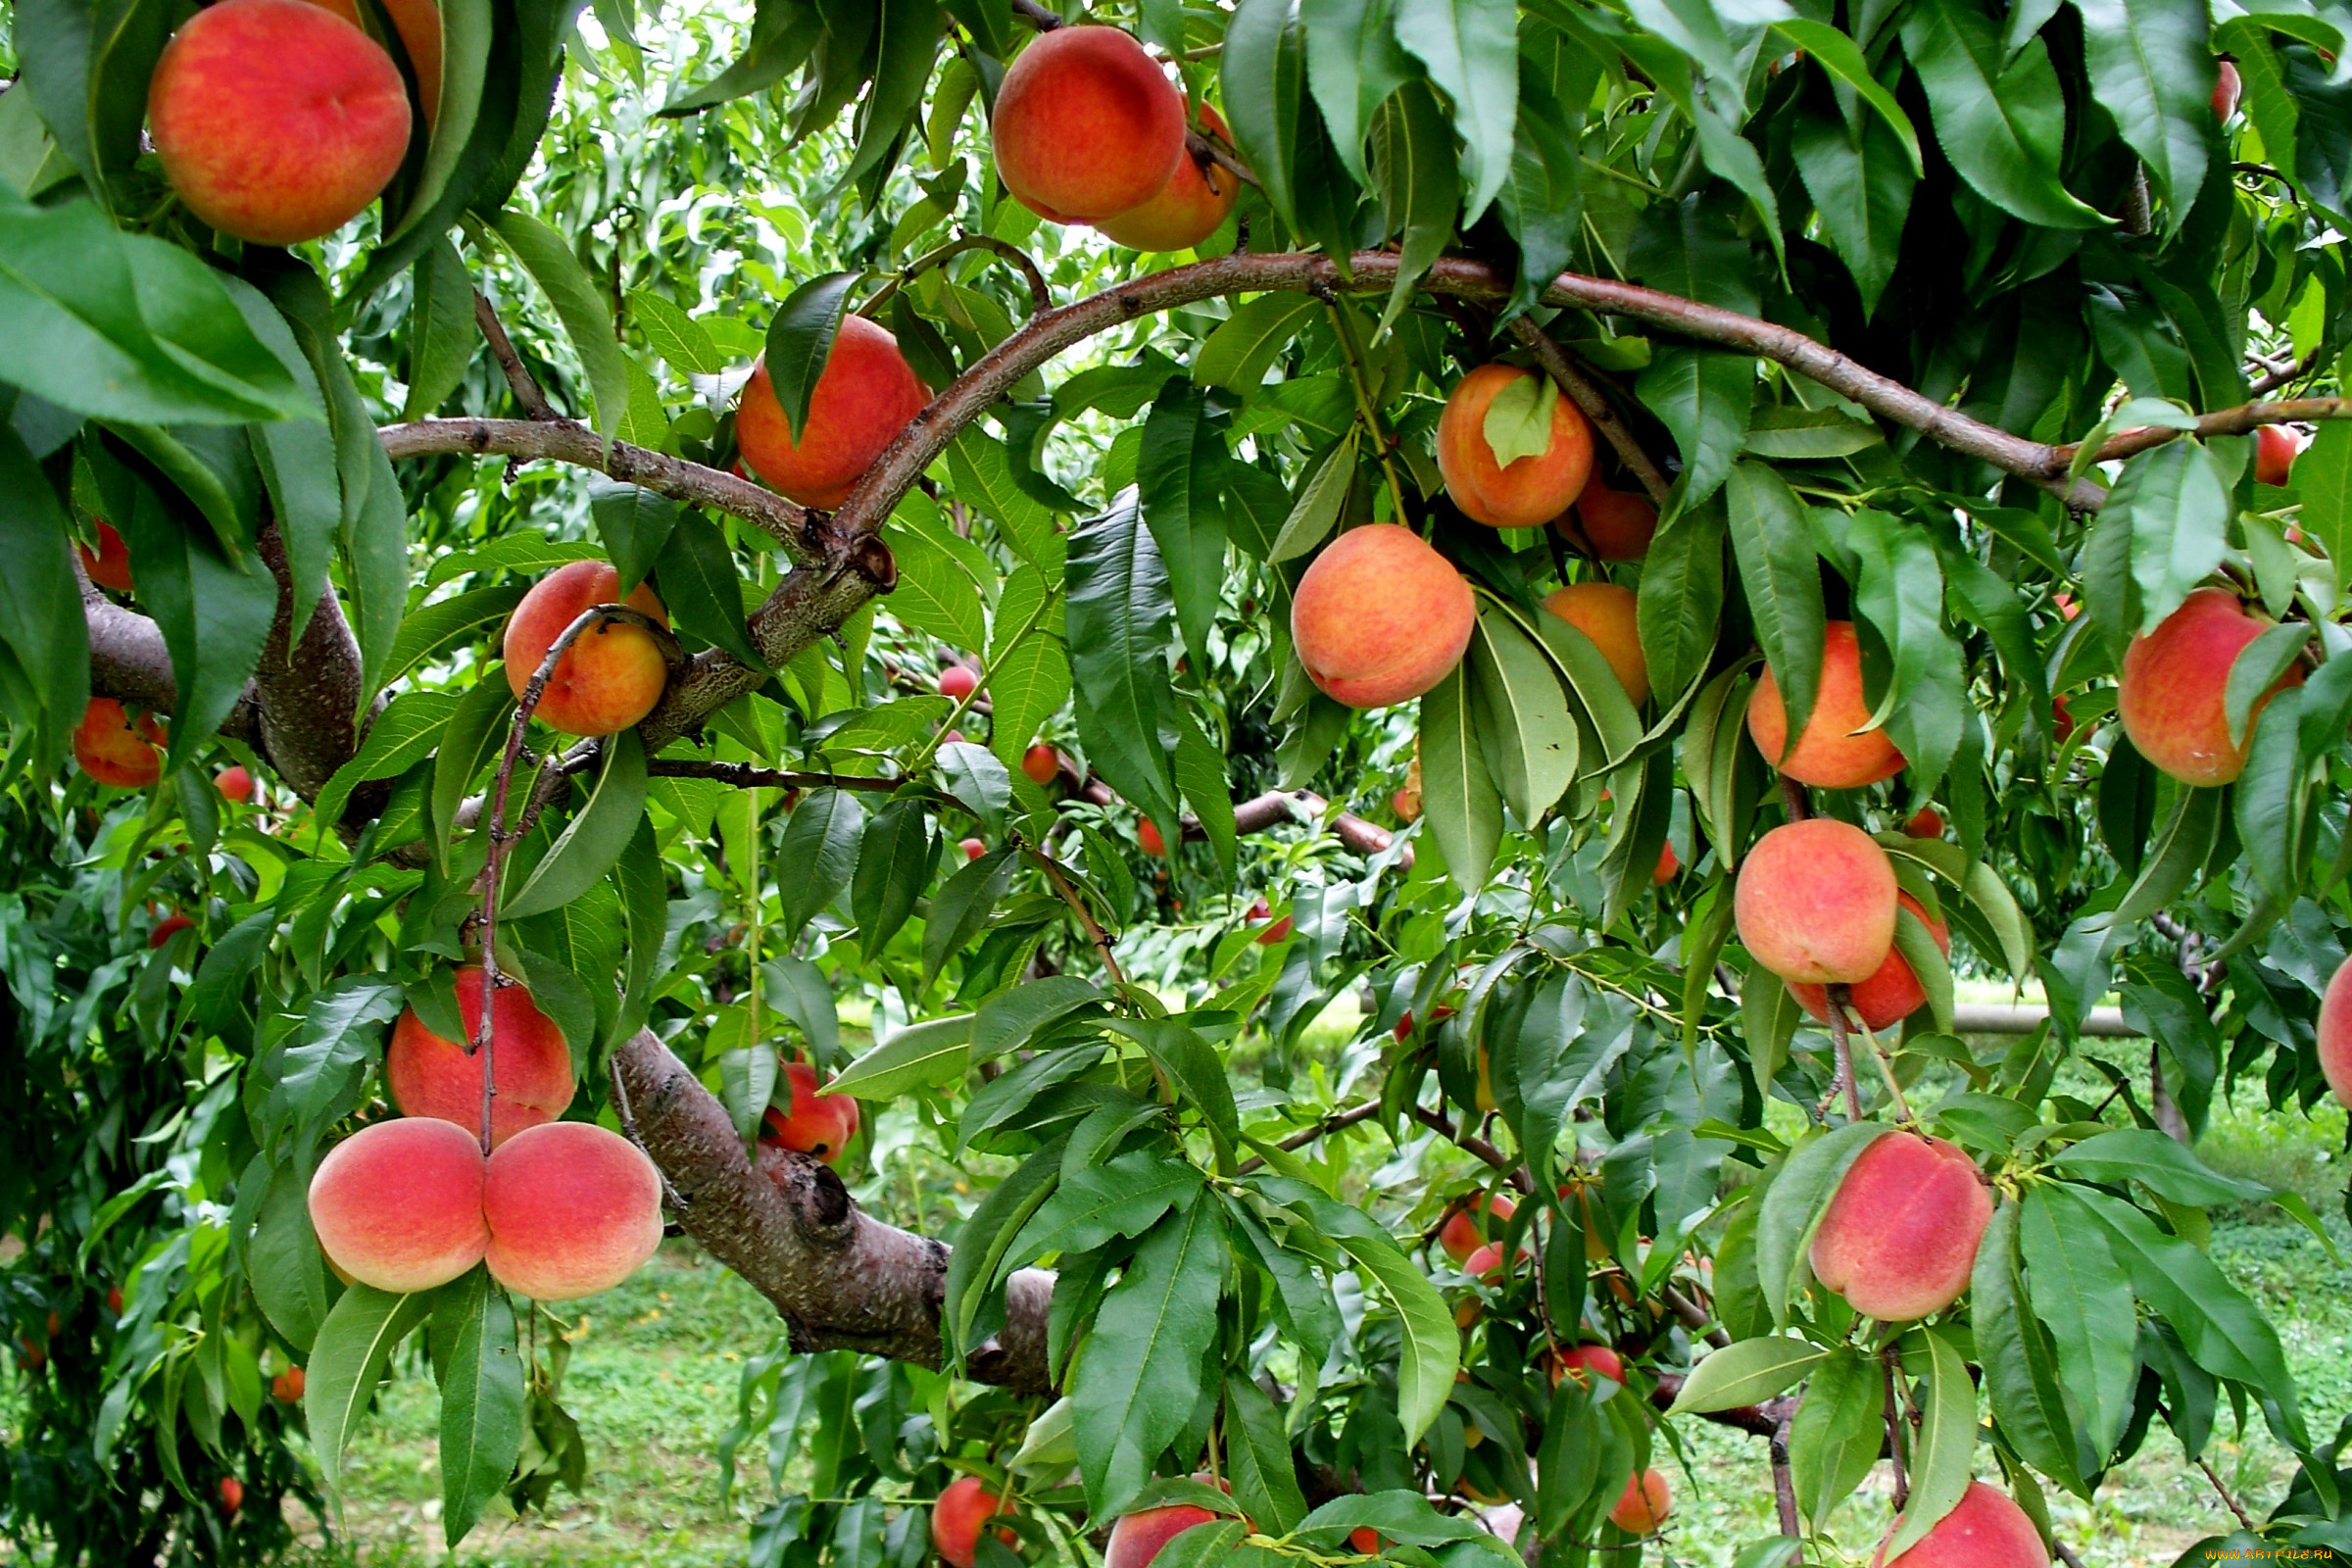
pixel 2061 263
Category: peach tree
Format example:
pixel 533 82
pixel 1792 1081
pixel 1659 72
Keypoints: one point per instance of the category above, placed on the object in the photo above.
pixel 838 629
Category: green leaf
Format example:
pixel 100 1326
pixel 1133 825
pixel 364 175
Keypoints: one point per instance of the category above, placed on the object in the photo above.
pixel 347 1360
pixel 1353 63
pixel 818 854
pixel 1176 478
pixel 2001 116
pixel 959 911
pixel 2178 510
pixel 645 908
pixel 442 331
pixel 935 594
pixel 1138 1374
pixel 2080 1290
pixel 922 1055
pixel 282 1258
pixel 800 341
pixel 1900 597
pixel 1839 55
pixel 214 613
pixel 580 305
pixel 466 26
pixel 1793 432
pixel 635 523
pixel 1260 68
pixel 1518 422
pixel 2020 1372
pixel 1528 736
pixel 1834 1440
pixel 1258 1458
pixel 403 735
pixel 1946 1442
pixel 2155 1161
pixel 1320 501
pixel 783 31
pixel 1702 396
pixel 1195 1071
pixel 701 588
pixel 906 47
pixel 1415 170
pixel 41 602
pixel 676 336
pixel 1243 347
pixel 981 1242
pixel 1471 48
pixel 593 840
pixel 1781 574
pixel 1747 1372
pixel 477 732
pixel 1794 1205
pixel 2151 68
pixel 1120 616
pixel 1458 797
pixel 481 1399
pixel 441 626
pixel 1124 1197
pixel 2323 480
pixel 1681 597
pixel 894 860
pixel 1604 696
pixel 1010 1021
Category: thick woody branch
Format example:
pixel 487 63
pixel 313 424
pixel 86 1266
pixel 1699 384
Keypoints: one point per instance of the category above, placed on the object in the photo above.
pixel 130 662
pixel 310 692
pixel 2239 421
pixel 520 379
pixel 568 441
pixel 840 1278
pixel 1262 811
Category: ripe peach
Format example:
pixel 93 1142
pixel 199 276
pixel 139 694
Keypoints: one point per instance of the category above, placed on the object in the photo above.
pixel 1586 1362
pixel 963 1506
pixel 1147 835
pixel 864 397
pixel 973 849
pixel 2275 447
pixel 398 1205
pixel 1900 1235
pixel 1041 763
pixel 1531 490
pixel 1893 993
pixel 2227 88
pixel 1486 1264
pixel 418 22
pixel 1986 1530
pixel 612 675
pixel 1816 902
pixel 1610 524
pixel 1380 616
pixel 2173 681
pixel 1189 207
pixel 1645 1505
pixel 167 928
pixel 1364 1540
pixel 2062 722
pixel 286 1387
pixel 2335 1032
pixel 110 566
pixel 1136 1538
pixel 113 749
pixel 1605 612
pixel 234 784
pixel 1086 125
pixel 232 1494
pixel 1669 864
pixel 1835 752
pixel 276 122
pixel 571 1209
pixel 818 1123
pixel 430 1076
pixel 1464 1234
pixel 957 681
pixel 1926 823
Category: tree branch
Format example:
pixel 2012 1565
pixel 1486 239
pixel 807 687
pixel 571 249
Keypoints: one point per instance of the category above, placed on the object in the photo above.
pixel 2239 421
pixel 520 379
pixel 1596 405
pixel 308 693
pixel 130 662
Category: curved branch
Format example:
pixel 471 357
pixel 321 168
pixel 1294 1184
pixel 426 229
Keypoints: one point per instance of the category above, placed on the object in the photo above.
pixel 310 694
pixel 2240 421
pixel 568 441
pixel 130 662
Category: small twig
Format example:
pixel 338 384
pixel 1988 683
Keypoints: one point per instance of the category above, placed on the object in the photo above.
pixel 2066 1554
pixel 1335 1122
pixel 1783 1484
pixel 1213 149
pixel 502 349
pixel 1596 406
pixel 1694 1316
pixel 1086 917
pixel 2239 421
pixel 1041 298
pixel 1877 1054
pixel 1366 409
pixel 1037 15
pixel 1891 1360
pixel 1472 1143
pixel 1794 801
pixel 2280 376
pixel 748 776
pixel 2243 1517
pixel 1843 1045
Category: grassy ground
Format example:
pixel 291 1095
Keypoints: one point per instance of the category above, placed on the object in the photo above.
pixel 653 1383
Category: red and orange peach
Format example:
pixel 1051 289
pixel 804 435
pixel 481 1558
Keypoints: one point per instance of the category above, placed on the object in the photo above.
pixel 2175 683
pixel 1086 125
pixel 863 398
pixel 1530 490
pixel 1380 616
pixel 1899 1237
pixel 612 673
pixel 570 1210
pixel 1833 751
pixel 1816 902
pixel 430 1076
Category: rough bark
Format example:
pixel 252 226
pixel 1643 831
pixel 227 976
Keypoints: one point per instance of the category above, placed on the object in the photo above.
pixel 309 692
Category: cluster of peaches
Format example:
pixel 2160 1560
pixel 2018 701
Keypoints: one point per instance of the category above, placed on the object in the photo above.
pixel 1381 617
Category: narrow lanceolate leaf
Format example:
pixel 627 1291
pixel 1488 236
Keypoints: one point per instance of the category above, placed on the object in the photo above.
pixel 1263 66
pixel 581 306
pixel 1702 396
pixel 1257 1457
pixel 595 837
pixel 1837 1433
pixel 1999 117
pixel 1681 602
pixel 2177 510
pixel 921 1056
pixel 1529 737
pixel 2080 1291
pixel 1458 797
pixel 1118 617
pixel 347 1362
pixel 2151 68
pixel 1139 1375
pixel 634 523
pixel 2020 1372
pixel 1471 48
pixel 702 589
pixel 1353 63
pixel 1772 542
pixel 1746 1373
pixel 1946 1443
pixel 1420 185
pixel 41 602
pixel 1176 482
pixel 801 339
pixel 819 855
pixel 1124 1197
pixel 481 1400
pixel 895 859
pixel 1320 499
